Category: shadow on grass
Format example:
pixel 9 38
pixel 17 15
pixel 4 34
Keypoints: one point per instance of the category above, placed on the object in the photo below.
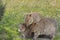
pixel 2 9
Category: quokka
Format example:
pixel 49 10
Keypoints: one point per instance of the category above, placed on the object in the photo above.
pixel 25 32
pixel 46 26
pixel 32 18
pixel 36 25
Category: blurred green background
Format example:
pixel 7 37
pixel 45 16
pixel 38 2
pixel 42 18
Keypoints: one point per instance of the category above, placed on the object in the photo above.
pixel 12 13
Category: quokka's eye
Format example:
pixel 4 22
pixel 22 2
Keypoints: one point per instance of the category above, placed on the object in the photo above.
pixel 34 24
pixel 30 15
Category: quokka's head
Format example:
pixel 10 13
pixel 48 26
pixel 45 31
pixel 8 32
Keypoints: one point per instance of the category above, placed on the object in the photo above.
pixel 32 18
pixel 21 28
pixel 25 32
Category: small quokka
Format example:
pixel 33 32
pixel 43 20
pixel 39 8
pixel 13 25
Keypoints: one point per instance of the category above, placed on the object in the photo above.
pixel 46 26
pixel 25 32
pixel 32 18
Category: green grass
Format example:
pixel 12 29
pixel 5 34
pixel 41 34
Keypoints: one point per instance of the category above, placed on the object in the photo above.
pixel 16 9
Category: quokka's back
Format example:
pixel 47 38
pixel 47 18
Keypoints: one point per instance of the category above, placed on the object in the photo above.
pixel 50 26
pixel 45 26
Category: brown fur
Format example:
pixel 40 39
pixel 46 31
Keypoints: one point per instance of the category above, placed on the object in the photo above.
pixel 45 26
